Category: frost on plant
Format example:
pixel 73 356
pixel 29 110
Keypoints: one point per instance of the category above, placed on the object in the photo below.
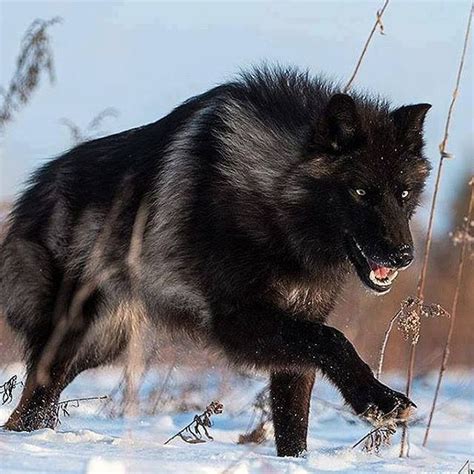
pixel 385 427
pixel 409 319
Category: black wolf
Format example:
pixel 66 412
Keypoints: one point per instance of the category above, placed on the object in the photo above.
pixel 235 219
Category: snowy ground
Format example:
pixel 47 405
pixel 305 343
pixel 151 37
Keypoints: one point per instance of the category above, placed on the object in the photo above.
pixel 90 441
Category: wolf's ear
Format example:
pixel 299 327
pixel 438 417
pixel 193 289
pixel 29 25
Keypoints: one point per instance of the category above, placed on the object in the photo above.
pixel 339 127
pixel 409 121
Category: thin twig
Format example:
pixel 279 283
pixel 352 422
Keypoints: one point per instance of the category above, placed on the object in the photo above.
pixel 378 23
pixel 79 135
pixel 263 414
pixel 164 386
pixel 384 343
pixel 385 427
pixel 443 155
pixel 371 433
pixel 191 433
pixel 429 235
pixel 64 405
pixel 6 389
pixel 444 362
pixel 86 399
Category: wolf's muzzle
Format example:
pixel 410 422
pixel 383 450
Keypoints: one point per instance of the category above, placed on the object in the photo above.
pixel 402 257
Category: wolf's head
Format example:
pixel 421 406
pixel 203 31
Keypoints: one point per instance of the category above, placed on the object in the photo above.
pixel 360 184
pixel 340 176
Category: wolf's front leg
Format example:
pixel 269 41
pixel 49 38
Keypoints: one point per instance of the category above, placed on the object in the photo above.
pixel 267 338
pixel 290 398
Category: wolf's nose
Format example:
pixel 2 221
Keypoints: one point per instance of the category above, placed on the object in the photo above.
pixel 403 256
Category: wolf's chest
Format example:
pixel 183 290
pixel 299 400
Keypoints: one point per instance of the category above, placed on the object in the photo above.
pixel 306 298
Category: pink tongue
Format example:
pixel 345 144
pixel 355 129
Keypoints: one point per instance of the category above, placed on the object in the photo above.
pixel 380 272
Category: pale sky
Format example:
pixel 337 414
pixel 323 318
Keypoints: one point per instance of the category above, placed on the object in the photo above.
pixel 144 58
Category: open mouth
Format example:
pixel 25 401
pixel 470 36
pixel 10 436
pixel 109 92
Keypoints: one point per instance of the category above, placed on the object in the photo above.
pixel 375 276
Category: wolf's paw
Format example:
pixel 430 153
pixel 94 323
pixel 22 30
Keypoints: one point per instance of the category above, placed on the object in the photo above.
pixel 388 408
pixel 398 415
pixel 31 421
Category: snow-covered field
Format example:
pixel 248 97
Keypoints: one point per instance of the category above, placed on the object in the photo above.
pixel 90 441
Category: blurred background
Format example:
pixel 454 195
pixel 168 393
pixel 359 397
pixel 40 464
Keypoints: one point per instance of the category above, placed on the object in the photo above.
pixel 120 65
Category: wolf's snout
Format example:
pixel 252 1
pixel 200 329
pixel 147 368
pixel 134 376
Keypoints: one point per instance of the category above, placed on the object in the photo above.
pixel 402 257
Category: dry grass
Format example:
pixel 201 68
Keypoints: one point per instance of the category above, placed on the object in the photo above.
pixel 92 129
pixel 34 59
pixel 198 430
pixel 260 424
pixel 6 389
pixel 62 408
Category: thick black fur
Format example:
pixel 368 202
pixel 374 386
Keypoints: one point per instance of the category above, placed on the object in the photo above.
pixel 252 224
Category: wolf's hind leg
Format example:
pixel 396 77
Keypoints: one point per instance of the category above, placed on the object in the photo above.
pixel 51 367
pixel 290 397
pixel 94 340
pixel 54 360
pixel 37 406
pixel 28 288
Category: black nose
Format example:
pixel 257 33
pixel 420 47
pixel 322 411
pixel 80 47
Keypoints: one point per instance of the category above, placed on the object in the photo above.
pixel 402 256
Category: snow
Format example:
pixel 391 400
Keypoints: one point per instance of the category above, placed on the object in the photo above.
pixel 91 441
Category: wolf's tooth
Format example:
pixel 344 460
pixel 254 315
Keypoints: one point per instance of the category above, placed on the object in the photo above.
pixel 374 279
pixel 393 275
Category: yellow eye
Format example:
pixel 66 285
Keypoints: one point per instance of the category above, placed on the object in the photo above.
pixel 361 192
pixel 405 194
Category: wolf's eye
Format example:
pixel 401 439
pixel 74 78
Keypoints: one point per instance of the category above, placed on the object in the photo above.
pixel 361 192
pixel 405 194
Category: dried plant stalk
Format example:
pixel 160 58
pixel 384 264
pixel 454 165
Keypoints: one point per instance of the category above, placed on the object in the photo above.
pixel 384 344
pixel 62 408
pixel 257 436
pixel 157 394
pixel 467 465
pixel 447 345
pixel 378 24
pixel 79 135
pixel 262 409
pixel 6 389
pixel 409 323
pixel 191 433
pixel 375 439
pixel 429 236
pixel 35 57
pixel 381 435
